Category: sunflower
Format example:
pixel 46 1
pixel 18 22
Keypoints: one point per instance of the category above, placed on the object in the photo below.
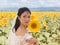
pixel 0 22
pixel 44 23
pixel 52 14
pixel 33 17
pixel 3 22
pixel 47 14
pixel 9 15
pixel 34 26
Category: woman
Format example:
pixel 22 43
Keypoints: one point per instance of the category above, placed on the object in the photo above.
pixel 19 35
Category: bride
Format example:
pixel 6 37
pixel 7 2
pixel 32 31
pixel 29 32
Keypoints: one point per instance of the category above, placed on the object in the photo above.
pixel 19 34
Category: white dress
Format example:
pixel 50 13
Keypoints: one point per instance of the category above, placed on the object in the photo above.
pixel 18 40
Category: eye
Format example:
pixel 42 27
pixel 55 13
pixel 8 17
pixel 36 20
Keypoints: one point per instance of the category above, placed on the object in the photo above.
pixel 24 16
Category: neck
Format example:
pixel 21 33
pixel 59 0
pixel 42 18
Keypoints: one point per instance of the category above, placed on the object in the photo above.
pixel 22 27
pixel 21 30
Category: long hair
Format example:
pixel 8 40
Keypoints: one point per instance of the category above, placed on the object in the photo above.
pixel 20 11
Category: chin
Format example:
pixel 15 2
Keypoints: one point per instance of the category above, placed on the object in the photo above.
pixel 26 24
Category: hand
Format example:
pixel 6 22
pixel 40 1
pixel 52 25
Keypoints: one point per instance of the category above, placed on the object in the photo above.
pixel 32 41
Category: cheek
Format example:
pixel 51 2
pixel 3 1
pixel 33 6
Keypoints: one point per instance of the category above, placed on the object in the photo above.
pixel 22 20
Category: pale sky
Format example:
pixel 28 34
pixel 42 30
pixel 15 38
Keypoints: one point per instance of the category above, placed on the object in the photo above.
pixel 28 3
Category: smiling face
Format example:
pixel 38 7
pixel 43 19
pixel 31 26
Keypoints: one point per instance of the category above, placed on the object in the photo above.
pixel 24 18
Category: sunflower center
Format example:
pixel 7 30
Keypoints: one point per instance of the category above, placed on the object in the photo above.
pixel 33 25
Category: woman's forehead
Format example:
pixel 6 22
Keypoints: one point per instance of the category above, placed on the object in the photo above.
pixel 26 13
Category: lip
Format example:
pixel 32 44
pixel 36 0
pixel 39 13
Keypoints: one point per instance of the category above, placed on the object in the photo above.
pixel 26 22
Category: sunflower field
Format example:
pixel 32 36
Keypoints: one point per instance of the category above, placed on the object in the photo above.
pixel 44 25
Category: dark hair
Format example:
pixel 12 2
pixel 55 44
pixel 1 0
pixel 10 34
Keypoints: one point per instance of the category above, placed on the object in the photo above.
pixel 20 11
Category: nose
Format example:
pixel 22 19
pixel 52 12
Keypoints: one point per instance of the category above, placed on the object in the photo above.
pixel 27 19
